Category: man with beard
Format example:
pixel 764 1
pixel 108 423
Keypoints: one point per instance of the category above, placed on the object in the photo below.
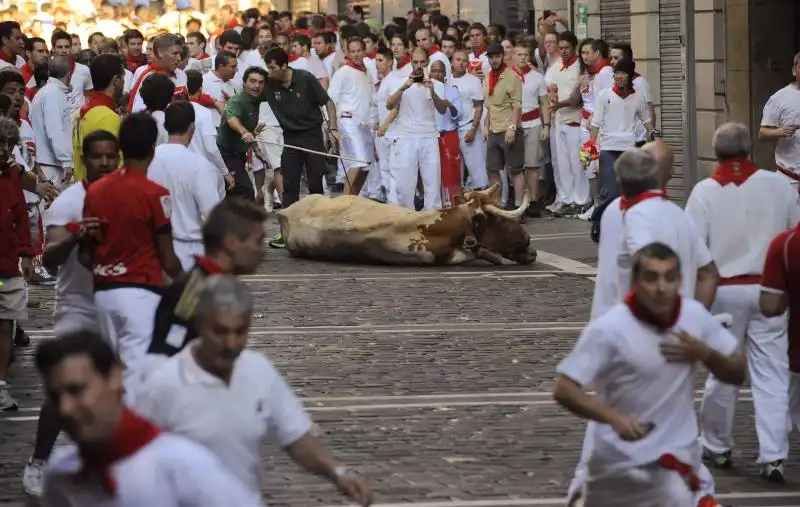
pixel 75 308
pixel 99 112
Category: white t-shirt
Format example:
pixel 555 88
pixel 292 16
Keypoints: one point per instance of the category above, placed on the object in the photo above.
pixel 471 91
pixel 738 222
pixel 661 220
pixel 372 69
pixel 193 185
pixel 163 136
pixel 602 80
pixel 781 110
pixel 533 88
pixel 170 471
pixel 300 63
pixel 204 142
pixel 618 118
pixel 351 90
pixel 25 155
pixel 641 85
pixel 380 97
pixel 606 287
pixel 217 89
pixel 178 78
pixel 566 79
pixel 417 115
pixel 20 63
pixel 316 67
pixel 256 405
pixel 619 357
pixel 81 83
pixel 74 282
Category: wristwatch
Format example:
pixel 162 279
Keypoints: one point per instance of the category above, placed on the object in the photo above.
pixel 339 472
pixel 512 128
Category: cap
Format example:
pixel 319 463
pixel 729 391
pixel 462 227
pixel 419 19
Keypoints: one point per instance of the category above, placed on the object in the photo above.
pixel 626 66
pixel 495 48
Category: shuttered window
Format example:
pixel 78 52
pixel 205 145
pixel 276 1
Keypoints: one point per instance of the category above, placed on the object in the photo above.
pixel 615 21
pixel 671 55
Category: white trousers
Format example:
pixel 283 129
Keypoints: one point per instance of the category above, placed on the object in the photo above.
pixel 357 143
pixel 126 318
pixel 572 185
pixel 474 159
pixel 764 341
pixel 70 319
pixel 410 157
pixel 383 148
pixel 650 486
pixel 185 251
pixel 56 175
pixel 582 469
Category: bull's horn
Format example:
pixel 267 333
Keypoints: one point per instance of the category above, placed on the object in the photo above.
pixel 516 214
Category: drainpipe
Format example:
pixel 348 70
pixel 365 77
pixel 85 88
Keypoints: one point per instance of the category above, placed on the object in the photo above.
pixel 689 96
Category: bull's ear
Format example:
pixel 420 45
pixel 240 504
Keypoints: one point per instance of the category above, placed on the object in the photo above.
pixel 459 199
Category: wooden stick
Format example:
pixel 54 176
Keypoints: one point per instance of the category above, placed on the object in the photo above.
pixel 314 152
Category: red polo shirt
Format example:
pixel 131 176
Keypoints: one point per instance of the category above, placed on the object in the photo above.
pixel 782 275
pixel 133 210
pixel 15 232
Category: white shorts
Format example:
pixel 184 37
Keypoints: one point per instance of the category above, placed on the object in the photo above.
pixel 186 251
pixel 357 143
pixel 272 152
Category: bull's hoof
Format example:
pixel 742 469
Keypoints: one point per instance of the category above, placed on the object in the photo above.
pixel 530 259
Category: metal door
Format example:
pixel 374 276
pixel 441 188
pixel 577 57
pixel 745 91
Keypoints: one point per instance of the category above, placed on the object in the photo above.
pixel 615 21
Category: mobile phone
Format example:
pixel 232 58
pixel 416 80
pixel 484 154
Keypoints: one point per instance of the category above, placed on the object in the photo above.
pixel 648 428
pixel 418 78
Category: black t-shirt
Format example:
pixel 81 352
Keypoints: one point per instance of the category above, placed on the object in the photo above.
pixel 297 107
pixel 173 329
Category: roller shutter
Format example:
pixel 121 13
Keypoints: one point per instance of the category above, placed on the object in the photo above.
pixel 615 21
pixel 671 115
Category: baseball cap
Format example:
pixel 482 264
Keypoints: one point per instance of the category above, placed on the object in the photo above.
pixel 495 48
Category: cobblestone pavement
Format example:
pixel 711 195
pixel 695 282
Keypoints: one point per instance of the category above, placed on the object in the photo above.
pixel 432 382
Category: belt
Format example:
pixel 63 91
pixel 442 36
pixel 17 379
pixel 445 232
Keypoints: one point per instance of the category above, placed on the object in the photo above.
pixel 741 280
pixel 464 124
pixel 573 124
pixel 531 115
pixel 586 114
pixel 345 115
pixel 790 174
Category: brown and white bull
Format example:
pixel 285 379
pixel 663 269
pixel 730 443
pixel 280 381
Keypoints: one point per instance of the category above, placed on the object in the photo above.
pixel 355 229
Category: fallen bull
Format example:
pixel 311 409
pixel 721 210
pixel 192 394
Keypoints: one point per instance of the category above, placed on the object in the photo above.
pixel 358 230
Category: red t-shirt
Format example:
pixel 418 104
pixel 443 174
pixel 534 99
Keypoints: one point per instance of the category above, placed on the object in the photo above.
pixel 781 275
pixel 133 210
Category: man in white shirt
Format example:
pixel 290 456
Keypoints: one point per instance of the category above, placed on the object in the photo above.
pixel 622 51
pixel 156 94
pixel 415 147
pixel 80 81
pixel 198 58
pixel 780 123
pixel 618 112
pixel 640 359
pixel 166 55
pixel 325 48
pixel 75 310
pixel 562 78
pixel 195 186
pixel 301 46
pixel 120 458
pixel 716 207
pixel 479 60
pixel 351 92
pixel 12 45
pixel 473 145
pixel 383 117
pixel 426 42
pixel 219 83
pixel 49 115
pixel 253 401
pixel 535 106
pixel 204 140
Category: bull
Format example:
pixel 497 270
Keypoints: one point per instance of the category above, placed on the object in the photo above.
pixel 359 230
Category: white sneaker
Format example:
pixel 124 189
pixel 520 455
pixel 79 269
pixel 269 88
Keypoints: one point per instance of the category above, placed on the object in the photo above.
pixel 586 215
pixel 555 207
pixel 7 403
pixel 42 277
pixel 32 478
pixel 268 201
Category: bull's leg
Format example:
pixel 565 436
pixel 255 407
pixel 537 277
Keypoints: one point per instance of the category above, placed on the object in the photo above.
pixel 488 255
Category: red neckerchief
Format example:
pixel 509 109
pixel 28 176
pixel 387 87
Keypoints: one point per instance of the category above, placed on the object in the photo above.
pixel 30 93
pixel 71 66
pixel 232 24
pixel 8 58
pixel 433 49
pixel 133 434
pixel 734 171
pixel 598 66
pixel 203 56
pixel 350 63
pixel 521 71
pixel 642 314
pixel 494 76
pixel 293 57
pixel 623 93
pixel 134 62
pixel 203 100
pixel 403 61
pixel 209 266
pixel 627 203
pixel 480 52
pixel 372 54
pixel 27 72
pixel 162 70
pixel 568 63
pixel 96 99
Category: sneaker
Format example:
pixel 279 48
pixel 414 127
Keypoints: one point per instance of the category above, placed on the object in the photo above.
pixel 42 277
pixel 586 215
pixel 773 472
pixel 21 338
pixel 269 199
pixel 277 241
pixel 718 459
pixel 7 403
pixel 32 478
pixel 555 207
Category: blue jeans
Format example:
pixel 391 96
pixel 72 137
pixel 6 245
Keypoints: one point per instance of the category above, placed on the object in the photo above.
pixel 607 177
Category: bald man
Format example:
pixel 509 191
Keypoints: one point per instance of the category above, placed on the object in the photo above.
pixel 649 217
pixel 738 236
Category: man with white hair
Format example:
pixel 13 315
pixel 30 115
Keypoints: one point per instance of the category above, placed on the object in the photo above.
pixel 718 206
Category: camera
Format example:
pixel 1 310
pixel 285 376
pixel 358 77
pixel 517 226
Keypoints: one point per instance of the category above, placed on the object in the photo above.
pixel 418 78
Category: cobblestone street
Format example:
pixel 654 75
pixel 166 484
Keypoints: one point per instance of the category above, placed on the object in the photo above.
pixel 435 383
